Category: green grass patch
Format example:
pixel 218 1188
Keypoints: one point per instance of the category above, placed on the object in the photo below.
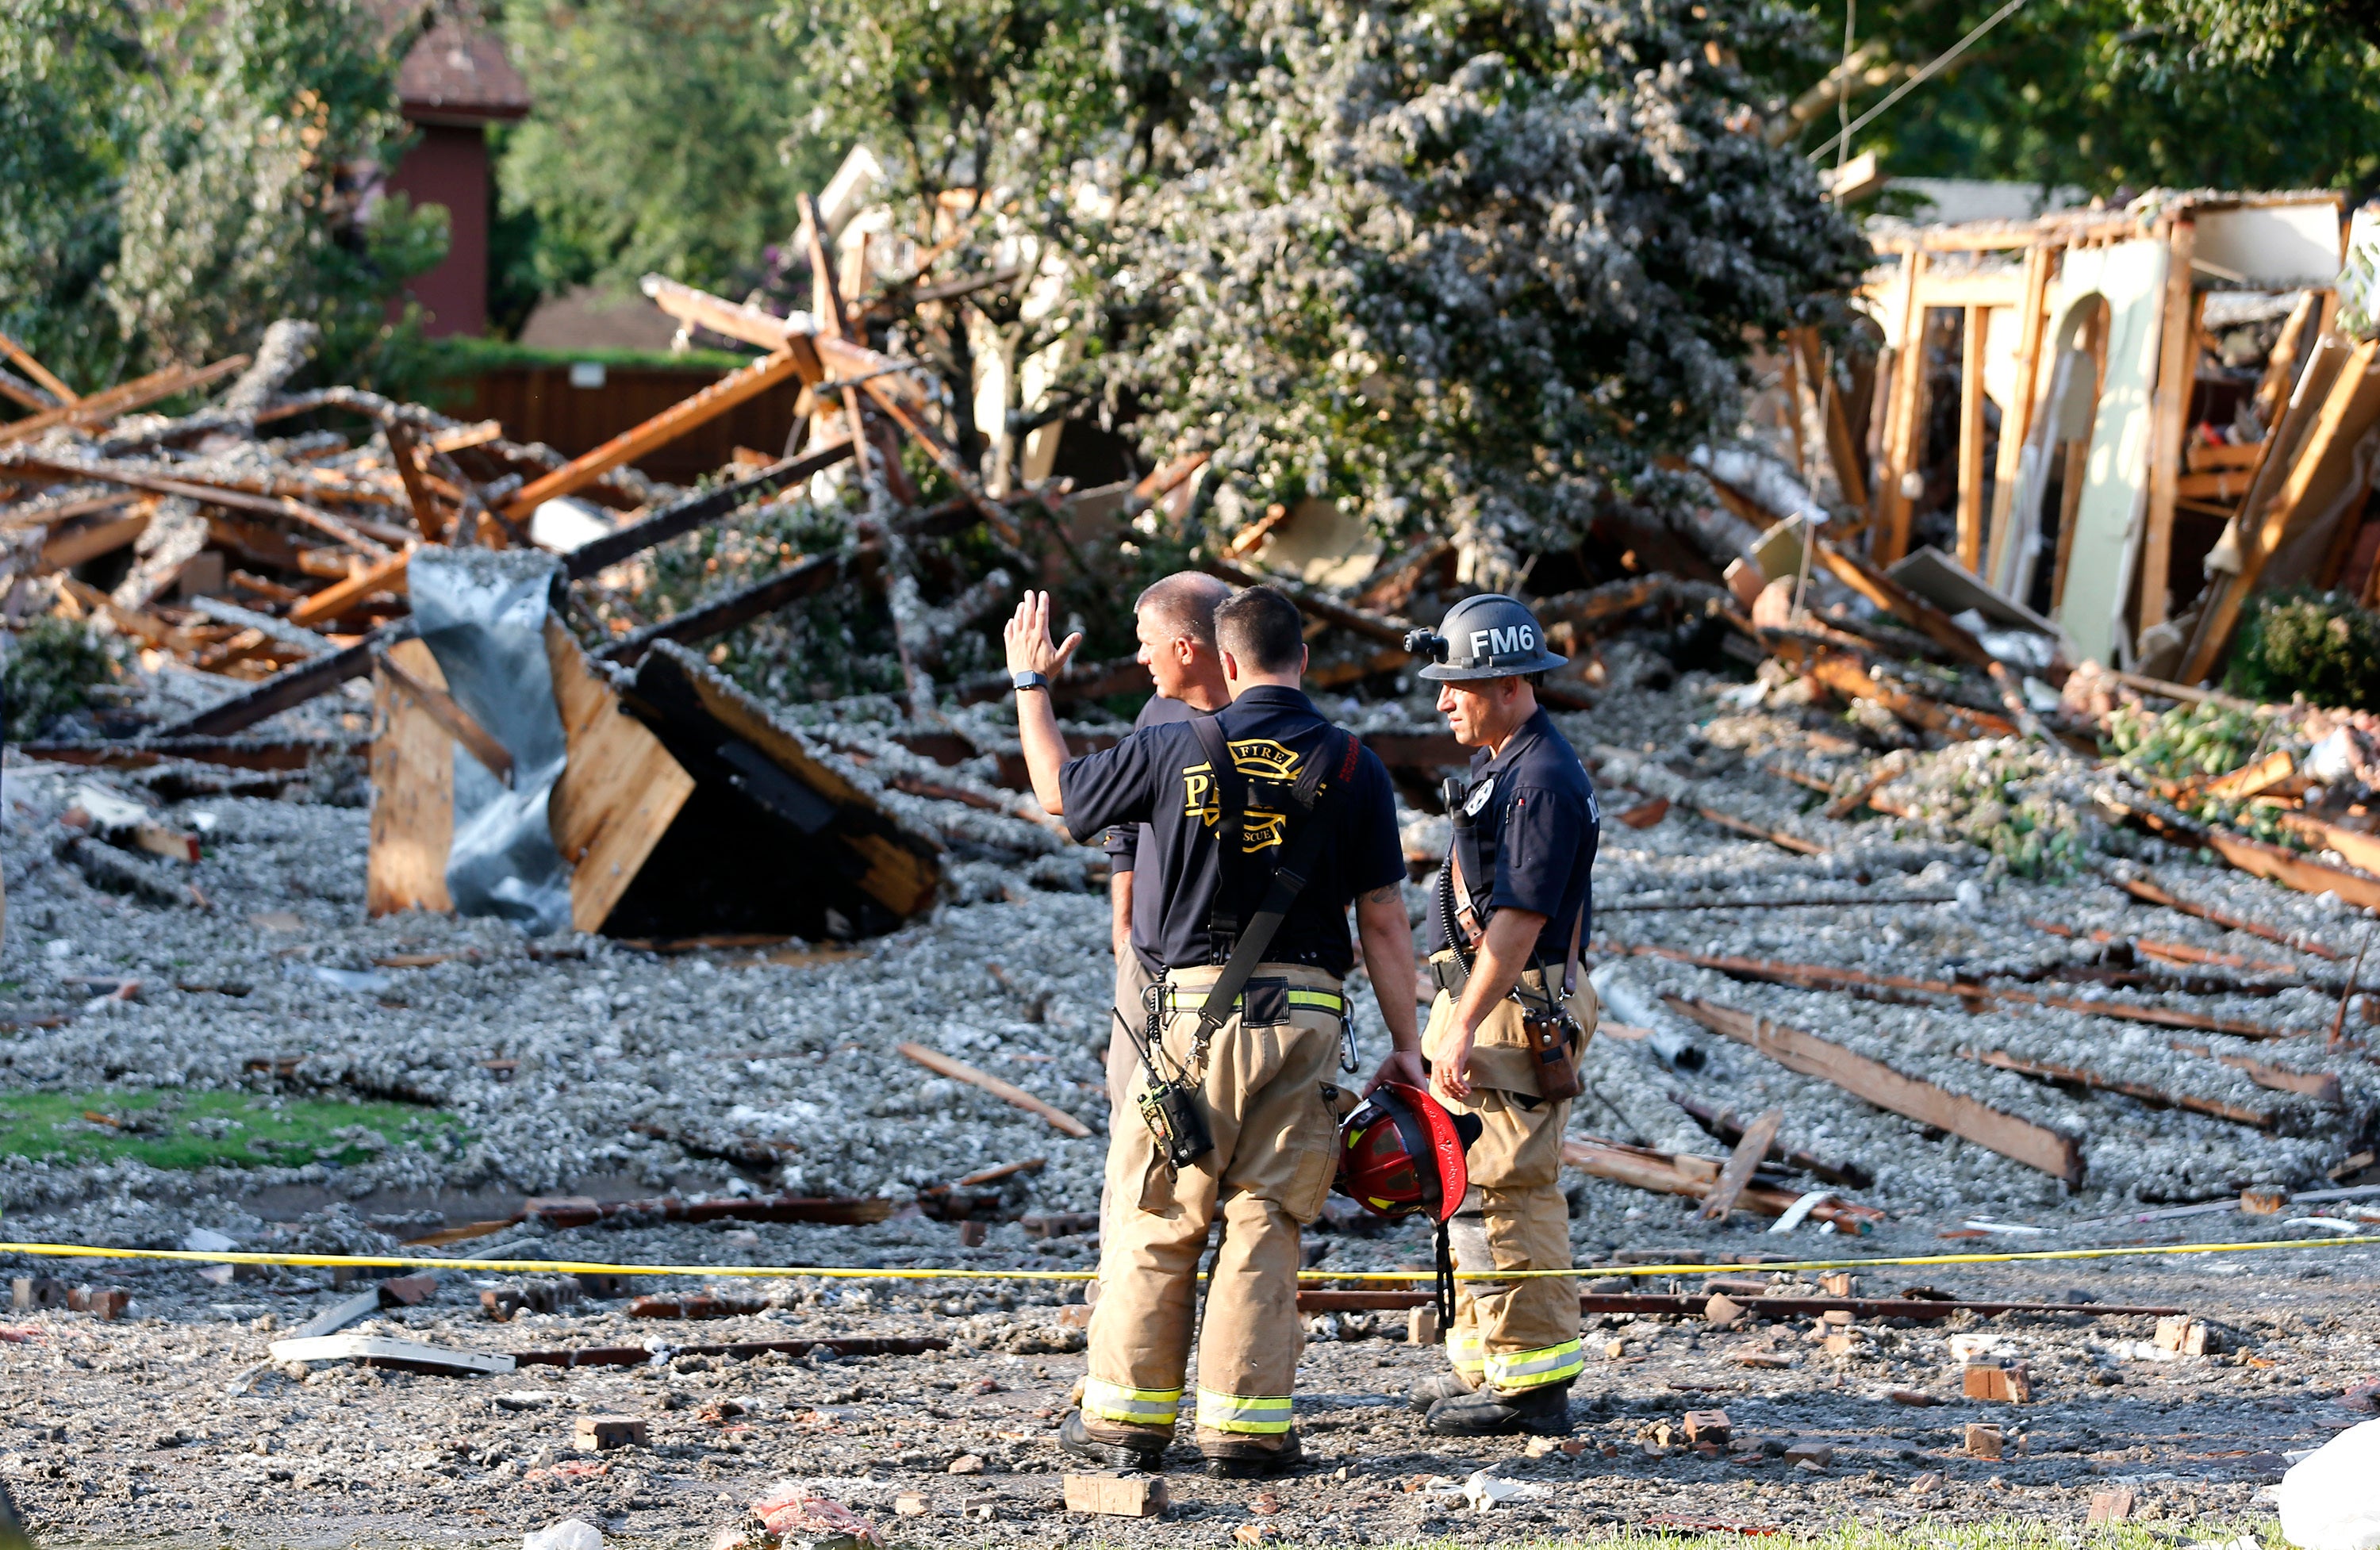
pixel 174 1129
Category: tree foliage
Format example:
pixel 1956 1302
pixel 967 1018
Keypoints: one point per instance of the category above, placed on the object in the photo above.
pixel 1461 266
pixel 2108 96
pixel 667 136
pixel 173 177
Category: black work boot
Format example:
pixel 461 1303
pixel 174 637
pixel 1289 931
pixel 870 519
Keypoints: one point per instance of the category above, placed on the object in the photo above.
pixel 1543 1412
pixel 1448 1385
pixel 1115 1444
pixel 1243 1456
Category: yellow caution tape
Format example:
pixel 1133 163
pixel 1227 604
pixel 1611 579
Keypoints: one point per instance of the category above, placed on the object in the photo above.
pixel 863 1273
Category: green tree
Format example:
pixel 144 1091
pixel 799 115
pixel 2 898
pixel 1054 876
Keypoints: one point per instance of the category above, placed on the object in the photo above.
pixel 2103 95
pixel 666 137
pixel 173 177
pixel 1463 266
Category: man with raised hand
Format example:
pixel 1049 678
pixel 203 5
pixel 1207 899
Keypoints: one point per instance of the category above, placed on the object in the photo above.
pixel 1265 822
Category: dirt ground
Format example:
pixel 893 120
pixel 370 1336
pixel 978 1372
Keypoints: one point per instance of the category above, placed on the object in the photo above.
pixel 166 1426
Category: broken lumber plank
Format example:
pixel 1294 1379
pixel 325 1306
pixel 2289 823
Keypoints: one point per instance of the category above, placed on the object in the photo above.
pixel 24 394
pixel 381 1350
pixel 121 399
pixel 2360 849
pixel 2251 779
pixel 40 373
pixel 805 577
pixel 1721 1125
pixel 2291 870
pixel 292 686
pixel 458 723
pixel 1673 1173
pixel 2321 1086
pixel 829 1210
pixel 619 790
pixel 1372 626
pixel 1750 1151
pixel 261 754
pixel 66 548
pixel 934 1059
pixel 1793 842
pixel 407 456
pixel 1896 599
pixel 2149 893
pixel 686 515
pixel 348 533
pixel 385 575
pixel 2170 952
pixel 1827 976
pixel 2036 1146
pixel 2098 1082
pixel 729 320
pixel 412 771
pixel 1845 677
pixel 639 1356
pixel 660 430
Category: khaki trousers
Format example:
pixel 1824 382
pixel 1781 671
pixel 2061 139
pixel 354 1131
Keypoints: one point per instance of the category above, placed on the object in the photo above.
pixel 1517 1335
pixel 1130 981
pixel 1274 1128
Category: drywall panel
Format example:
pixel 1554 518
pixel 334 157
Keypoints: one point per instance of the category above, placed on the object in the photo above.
pixel 2131 276
pixel 2277 247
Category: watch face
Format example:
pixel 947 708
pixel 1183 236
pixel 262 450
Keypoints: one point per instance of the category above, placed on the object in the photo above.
pixel 1477 801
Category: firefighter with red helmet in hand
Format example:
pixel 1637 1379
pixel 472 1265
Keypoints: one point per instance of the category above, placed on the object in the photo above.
pixel 1511 1020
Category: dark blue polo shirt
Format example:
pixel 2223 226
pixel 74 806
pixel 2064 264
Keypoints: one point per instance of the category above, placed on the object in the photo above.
pixel 1536 813
pixel 1158 775
pixel 1126 840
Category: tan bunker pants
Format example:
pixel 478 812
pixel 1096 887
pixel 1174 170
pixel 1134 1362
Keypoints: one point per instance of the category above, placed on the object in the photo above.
pixel 1274 1132
pixel 1517 1335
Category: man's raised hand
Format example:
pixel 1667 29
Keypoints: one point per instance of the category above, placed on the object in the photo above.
pixel 1026 638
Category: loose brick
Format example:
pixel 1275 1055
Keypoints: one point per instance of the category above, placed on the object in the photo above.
pixel 601 1433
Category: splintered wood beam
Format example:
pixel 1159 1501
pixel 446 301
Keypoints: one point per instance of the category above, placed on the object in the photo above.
pixel 412 787
pixel 1749 1152
pixel 1972 429
pixel 2321 1086
pixel 2035 1147
pixel 1007 1091
pixel 729 320
pixel 1897 601
pixel 406 454
pixel 24 394
pixel 1793 842
pixel 2292 870
pixel 1372 626
pixel 619 790
pixel 388 575
pixel 662 429
pixel 685 517
pixel 40 373
pixel 806 577
pixel 1842 450
pixel 2098 1082
pixel 216 495
pixel 459 723
pixel 1845 677
pixel 292 685
pixel 1672 1173
pixel 2149 893
pixel 1163 479
pixel 122 399
pixel 1825 976
pixel 2169 421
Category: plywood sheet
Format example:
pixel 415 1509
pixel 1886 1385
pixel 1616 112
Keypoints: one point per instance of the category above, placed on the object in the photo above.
pixel 412 793
pixel 619 792
pixel 2108 523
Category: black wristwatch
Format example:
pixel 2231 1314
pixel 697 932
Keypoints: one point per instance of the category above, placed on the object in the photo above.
pixel 1021 681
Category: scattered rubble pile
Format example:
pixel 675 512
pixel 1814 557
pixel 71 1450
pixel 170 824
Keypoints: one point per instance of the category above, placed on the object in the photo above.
pixel 410 850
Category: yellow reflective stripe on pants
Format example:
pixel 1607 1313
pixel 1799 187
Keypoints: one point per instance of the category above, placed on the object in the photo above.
pixel 1467 1348
pixel 1321 1001
pixel 1234 1412
pixel 1134 1407
pixel 1509 1370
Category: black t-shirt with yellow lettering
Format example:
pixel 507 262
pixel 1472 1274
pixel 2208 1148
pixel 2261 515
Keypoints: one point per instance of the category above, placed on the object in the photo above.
pixel 1160 776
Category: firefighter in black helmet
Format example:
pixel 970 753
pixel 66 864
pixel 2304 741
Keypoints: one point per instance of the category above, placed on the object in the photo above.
pixel 1510 1019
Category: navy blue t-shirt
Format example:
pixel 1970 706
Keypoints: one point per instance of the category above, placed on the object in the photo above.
pixel 1160 776
pixel 1535 811
pixel 1126 840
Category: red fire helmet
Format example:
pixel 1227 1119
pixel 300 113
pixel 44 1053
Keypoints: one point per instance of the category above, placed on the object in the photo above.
pixel 1401 1154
